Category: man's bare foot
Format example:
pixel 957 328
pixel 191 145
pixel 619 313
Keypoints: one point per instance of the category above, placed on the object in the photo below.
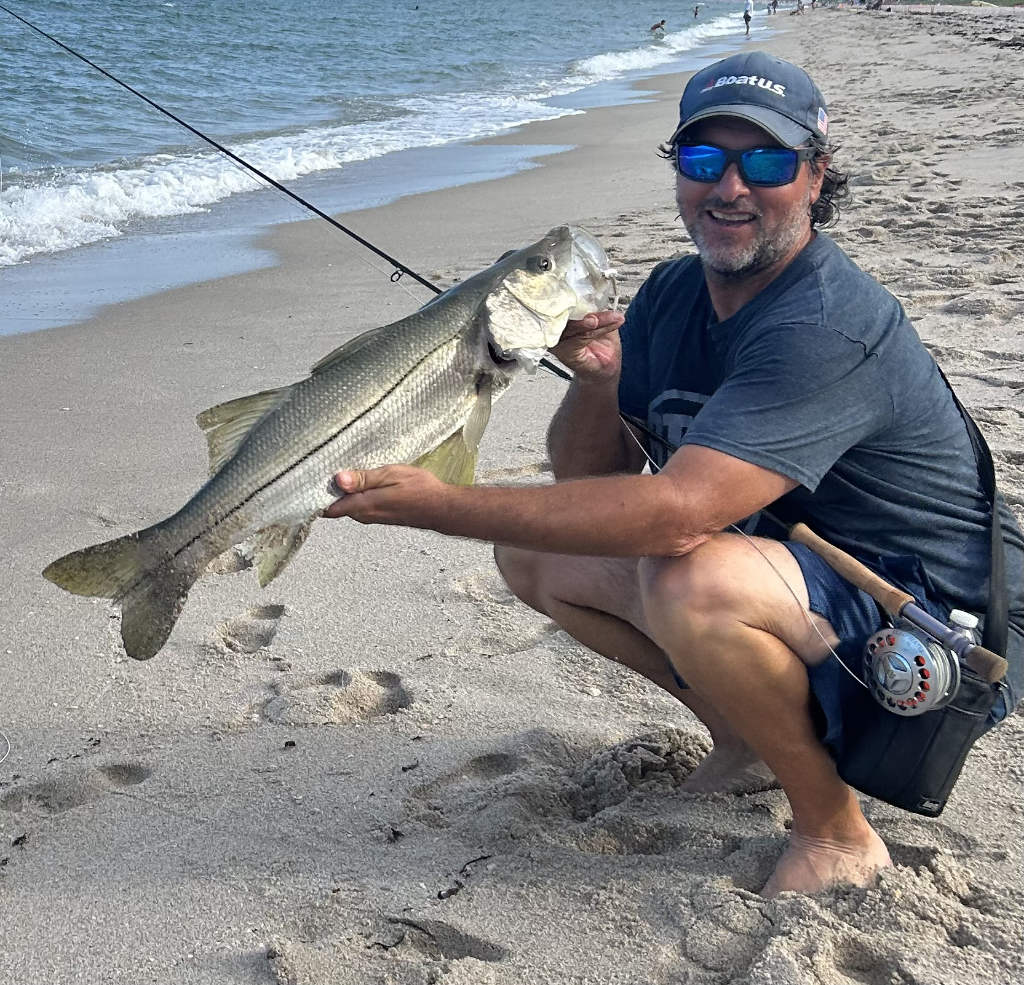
pixel 730 768
pixel 811 865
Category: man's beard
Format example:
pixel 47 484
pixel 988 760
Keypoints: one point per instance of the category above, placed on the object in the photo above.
pixel 732 263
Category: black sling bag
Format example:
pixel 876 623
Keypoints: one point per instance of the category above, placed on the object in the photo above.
pixel 913 763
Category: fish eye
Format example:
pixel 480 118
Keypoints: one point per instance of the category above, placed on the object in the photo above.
pixel 538 264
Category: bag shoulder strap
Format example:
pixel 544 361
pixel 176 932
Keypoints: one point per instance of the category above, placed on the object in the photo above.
pixel 997 616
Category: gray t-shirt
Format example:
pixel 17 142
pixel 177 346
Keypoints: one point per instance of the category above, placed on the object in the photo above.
pixel 822 378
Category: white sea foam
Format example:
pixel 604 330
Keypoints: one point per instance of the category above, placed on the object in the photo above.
pixel 73 208
pixel 60 210
pixel 613 65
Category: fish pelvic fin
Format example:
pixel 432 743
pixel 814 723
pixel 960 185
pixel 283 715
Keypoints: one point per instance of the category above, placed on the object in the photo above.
pixel 275 546
pixel 454 460
pixel 150 589
pixel 227 425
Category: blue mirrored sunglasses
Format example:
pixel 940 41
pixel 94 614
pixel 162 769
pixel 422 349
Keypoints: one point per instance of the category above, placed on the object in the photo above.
pixel 763 166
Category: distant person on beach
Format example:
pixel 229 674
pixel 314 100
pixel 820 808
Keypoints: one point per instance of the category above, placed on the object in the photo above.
pixel 696 10
pixel 658 28
pixel 771 381
pixel 748 12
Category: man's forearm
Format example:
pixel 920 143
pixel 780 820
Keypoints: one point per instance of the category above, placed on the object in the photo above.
pixel 586 436
pixel 610 516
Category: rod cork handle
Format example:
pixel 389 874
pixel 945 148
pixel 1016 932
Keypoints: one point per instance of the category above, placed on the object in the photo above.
pixel 987 665
pixel 888 596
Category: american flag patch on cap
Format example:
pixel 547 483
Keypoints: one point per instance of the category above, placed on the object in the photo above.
pixel 822 120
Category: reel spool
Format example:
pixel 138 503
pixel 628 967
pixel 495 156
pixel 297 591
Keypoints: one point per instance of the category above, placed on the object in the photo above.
pixel 908 672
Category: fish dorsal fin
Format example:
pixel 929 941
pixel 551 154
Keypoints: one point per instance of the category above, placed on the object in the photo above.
pixel 346 349
pixel 275 546
pixel 454 460
pixel 227 424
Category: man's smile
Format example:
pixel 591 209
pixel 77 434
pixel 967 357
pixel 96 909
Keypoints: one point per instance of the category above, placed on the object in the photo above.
pixel 731 217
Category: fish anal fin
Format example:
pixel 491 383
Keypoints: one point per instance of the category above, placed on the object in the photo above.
pixel 226 425
pixel 275 546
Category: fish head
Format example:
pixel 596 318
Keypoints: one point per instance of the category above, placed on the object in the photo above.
pixel 536 290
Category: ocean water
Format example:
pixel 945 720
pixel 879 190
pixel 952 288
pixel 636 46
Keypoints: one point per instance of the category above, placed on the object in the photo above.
pixel 320 94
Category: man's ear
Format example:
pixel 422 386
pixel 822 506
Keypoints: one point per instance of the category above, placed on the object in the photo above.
pixel 819 165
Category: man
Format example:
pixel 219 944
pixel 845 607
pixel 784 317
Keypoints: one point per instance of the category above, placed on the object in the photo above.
pixel 748 12
pixel 658 28
pixel 788 379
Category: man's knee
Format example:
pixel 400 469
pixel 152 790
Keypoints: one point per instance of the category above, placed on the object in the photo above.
pixel 699 582
pixel 521 571
pixel 695 592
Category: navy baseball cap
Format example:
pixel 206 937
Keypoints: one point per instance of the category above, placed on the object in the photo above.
pixel 773 94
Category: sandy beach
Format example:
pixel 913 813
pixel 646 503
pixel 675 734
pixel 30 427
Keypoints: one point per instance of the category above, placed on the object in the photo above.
pixel 383 768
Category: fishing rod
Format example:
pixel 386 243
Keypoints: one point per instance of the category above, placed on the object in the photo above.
pixel 400 268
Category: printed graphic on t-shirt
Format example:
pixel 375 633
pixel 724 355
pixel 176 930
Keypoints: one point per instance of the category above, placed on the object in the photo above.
pixel 669 415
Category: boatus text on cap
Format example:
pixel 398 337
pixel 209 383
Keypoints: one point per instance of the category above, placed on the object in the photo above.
pixel 750 80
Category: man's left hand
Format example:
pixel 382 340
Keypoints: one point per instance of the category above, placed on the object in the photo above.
pixel 394 494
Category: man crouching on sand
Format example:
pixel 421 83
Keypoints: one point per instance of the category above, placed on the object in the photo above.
pixel 787 378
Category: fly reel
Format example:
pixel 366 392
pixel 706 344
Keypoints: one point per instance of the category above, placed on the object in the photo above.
pixel 908 671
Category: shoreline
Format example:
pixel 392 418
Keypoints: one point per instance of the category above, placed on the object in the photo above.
pixel 226 239
pixel 382 768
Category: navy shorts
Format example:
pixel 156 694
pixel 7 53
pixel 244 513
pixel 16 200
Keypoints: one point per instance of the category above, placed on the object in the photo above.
pixel 854 615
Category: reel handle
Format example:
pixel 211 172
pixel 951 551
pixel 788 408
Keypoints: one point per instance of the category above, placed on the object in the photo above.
pixel 986 664
pixel 888 596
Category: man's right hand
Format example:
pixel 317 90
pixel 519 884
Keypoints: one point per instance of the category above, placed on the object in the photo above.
pixel 590 347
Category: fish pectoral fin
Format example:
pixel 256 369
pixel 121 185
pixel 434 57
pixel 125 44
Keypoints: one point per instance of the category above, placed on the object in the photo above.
pixel 454 460
pixel 227 424
pixel 275 546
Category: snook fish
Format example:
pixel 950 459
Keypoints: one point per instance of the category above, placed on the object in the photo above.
pixel 416 391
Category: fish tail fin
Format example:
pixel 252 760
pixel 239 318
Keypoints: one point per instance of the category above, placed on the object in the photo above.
pixel 103 571
pixel 151 589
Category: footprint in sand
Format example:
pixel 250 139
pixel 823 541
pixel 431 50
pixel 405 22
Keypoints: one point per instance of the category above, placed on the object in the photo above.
pixel 538 786
pixel 503 626
pixel 64 793
pixel 338 698
pixel 250 632
pixel 402 950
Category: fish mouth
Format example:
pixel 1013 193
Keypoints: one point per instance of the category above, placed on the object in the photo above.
pixel 590 274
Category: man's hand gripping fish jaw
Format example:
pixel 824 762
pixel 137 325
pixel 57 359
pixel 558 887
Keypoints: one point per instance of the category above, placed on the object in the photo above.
pixel 565 276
